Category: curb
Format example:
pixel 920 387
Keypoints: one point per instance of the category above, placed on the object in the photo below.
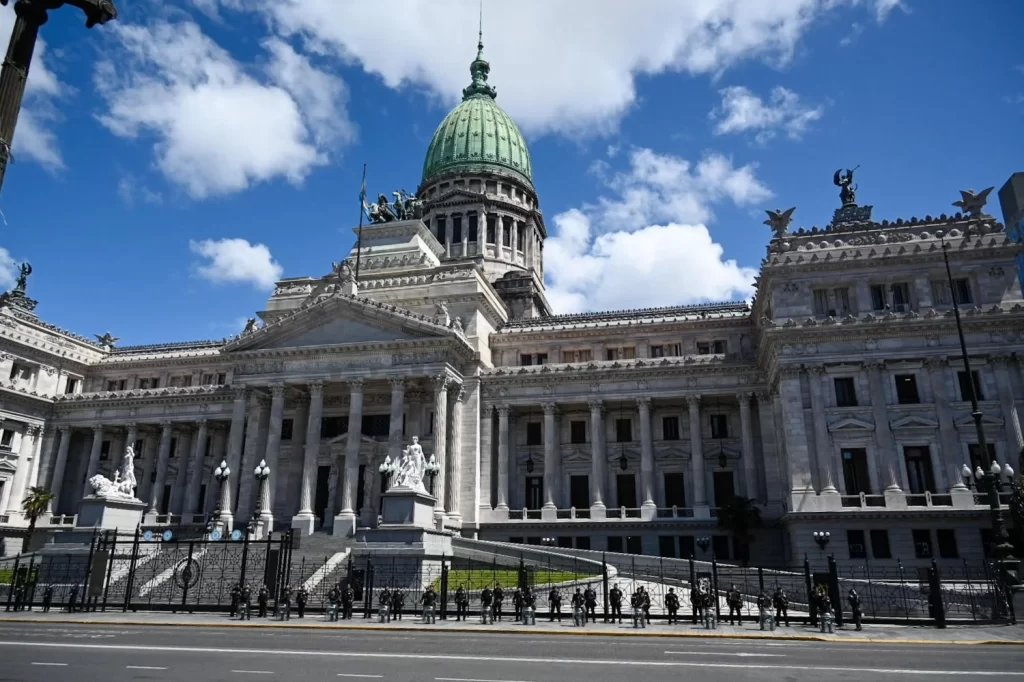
pixel 277 625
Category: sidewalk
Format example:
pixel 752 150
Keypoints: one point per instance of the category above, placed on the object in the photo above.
pixel 892 634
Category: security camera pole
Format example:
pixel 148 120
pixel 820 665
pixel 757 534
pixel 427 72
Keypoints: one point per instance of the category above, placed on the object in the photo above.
pixel 31 14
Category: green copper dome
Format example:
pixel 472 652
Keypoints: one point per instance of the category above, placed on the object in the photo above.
pixel 478 135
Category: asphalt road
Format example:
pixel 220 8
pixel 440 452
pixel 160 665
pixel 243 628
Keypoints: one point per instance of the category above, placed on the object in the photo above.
pixel 87 653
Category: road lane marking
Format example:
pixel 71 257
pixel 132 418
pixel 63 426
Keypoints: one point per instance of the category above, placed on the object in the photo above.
pixel 471 679
pixel 53 664
pixel 513 659
pixel 144 667
pixel 253 672
pixel 358 675
pixel 723 653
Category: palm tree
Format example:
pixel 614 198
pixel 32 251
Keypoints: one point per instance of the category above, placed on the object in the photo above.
pixel 739 516
pixel 35 504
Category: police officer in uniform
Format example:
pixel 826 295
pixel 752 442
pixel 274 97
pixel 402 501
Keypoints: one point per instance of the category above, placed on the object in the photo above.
pixel 499 599
pixel 781 603
pixel 486 604
pixel 236 595
pixel 286 603
pixel 854 600
pixel 461 604
pixel 47 598
pixel 672 605
pixel 429 600
pixel 735 601
pixel 384 602
pixel 72 599
pixel 301 597
pixel 615 597
pixel 590 604
pixel 646 603
pixel 555 603
pixel 261 600
pixel 579 616
pixel 334 600
pixel 246 602
pixel 348 598
pixel 517 604
pixel 397 603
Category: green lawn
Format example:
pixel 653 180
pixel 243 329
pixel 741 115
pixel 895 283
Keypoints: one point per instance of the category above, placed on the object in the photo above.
pixel 508 577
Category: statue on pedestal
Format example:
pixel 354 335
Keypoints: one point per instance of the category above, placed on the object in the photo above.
pixel 411 468
pixel 124 483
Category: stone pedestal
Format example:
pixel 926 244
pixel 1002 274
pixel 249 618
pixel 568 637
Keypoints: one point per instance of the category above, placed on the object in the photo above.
pixel 110 513
pixel 344 525
pixel 407 527
pixel 406 507
pixel 304 523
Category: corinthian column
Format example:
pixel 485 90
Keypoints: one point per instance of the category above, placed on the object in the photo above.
pixel 822 439
pixel 397 412
pixel 345 521
pixel 26 455
pixel 235 440
pixel 440 440
pixel 453 503
pixel 195 470
pixel 696 452
pixel 646 451
pixel 57 480
pixel 273 452
pixel 597 455
pixel 747 438
pixel 305 520
pixel 1011 419
pixel 883 435
pixel 503 411
pixel 550 455
pixel 94 458
pixel 157 491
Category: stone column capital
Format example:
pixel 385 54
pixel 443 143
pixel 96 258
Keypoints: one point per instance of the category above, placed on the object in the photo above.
pixel 936 362
pixel 97 429
pixel 277 390
pixel 356 385
pixel 874 365
pixel 643 404
pixel 460 395
pixel 744 397
pixel 316 387
pixel 789 372
pixel 441 382
pixel 503 410
pixel 596 406
pixel 132 426
pixel 166 424
pixel 549 407
pixel 240 392
pixel 693 401
pixel 64 430
pixel 398 384
pixel 33 429
pixel 764 397
pixel 1000 361
pixel 201 422
pixel 814 370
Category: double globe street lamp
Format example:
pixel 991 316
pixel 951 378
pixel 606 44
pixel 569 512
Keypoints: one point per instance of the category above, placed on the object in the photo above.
pixel 221 474
pixel 261 474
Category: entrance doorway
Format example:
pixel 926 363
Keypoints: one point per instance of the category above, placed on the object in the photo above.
pixel 725 489
pixel 323 486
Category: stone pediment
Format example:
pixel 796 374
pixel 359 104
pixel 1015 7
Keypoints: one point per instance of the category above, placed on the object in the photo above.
pixel 670 452
pixel 914 421
pixel 7 467
pixel 986 419
pixel 341 319
pixel 850 425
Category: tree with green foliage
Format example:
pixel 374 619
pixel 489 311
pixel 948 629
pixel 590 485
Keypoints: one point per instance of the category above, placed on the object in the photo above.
pixel 35 504
pixel 740 516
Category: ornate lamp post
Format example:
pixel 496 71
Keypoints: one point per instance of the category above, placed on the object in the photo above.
pixel 261 473
pixel 1003 549
pixel 387 469
pixel 703 542
pixel 822 538
pixel 432 469
pixel 31 14
pixel 222 513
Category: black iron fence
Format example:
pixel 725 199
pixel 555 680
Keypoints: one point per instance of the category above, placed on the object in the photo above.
pixel 199 574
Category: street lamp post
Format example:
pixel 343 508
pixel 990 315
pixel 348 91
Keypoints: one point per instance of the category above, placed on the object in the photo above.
pixel 223 512
pixel 261 473
pixel 387 469
pixel 703 542
pixel 822 538
pixel 31 15
pixel 432 468
pixel 1003 549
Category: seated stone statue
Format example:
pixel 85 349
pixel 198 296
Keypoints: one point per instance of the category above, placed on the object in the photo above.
pixel 411 467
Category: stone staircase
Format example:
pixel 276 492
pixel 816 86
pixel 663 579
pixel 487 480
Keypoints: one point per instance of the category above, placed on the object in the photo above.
pixel 319 562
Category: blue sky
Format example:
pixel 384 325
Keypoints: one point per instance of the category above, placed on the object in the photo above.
pixel 170 165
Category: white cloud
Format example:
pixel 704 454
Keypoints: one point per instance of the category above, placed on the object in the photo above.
pixel 743 111
pixel 131 191
pixel 219 126
pixel 236 261
pixel 8 270
pixel 647 244
pixel 33 139
pixel 884 7
pixel 558 66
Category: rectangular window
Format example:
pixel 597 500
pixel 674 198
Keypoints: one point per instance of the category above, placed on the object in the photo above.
pixel 615 544
pixel 687 546
pixel 457 229
pixel 703 348
pixel 670 428
pixel 623 430
pixel 719 347
pixel 626 353
pixel 473 223
pixel 946 538
pixel 526 359
pixel 667 546
pixel 376 425
pixel 579 492
pixel 962 291
pixel 565 541
pixel 577 355
pixel 105 450
pixel 880 544
pixel 207 379
pixel 625 490
pixel 286 429
pixel 174 447
pixel 634 545
pixel 821 302
pixel 965 385
pixel 540 359
pixel 332 427
pixel 139 444
pixel 506 233
pixel 492 223
pixel 906 389
pixel 922 543
pixel 534 492
pixel 900 297
pixel 855 542
pixel 719 426
pixel 974 451
pixel 206 446
pixel 71 386
pixel 940 292
pixel 657 351
pixel 831 302
pixel 222 379
pixel 583 542
pixel 521 237
pixel 720 546
pixel 442 228
pixel 846 391
pixel 430 423
pixel 577 432
pixel 675 492
pixel 919 469
pixel 855 471
pixel 878 298
pixel 7 438
pixel 533 433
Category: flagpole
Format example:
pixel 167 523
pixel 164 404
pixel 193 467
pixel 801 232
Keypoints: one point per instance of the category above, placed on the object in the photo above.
pixel 359 234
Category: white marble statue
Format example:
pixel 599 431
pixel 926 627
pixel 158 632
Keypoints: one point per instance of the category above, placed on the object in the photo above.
pixel 124 483
pixel 411 467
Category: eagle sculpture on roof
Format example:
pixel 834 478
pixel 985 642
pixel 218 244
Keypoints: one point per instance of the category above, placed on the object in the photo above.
pixel 973 204
pixel 779 220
